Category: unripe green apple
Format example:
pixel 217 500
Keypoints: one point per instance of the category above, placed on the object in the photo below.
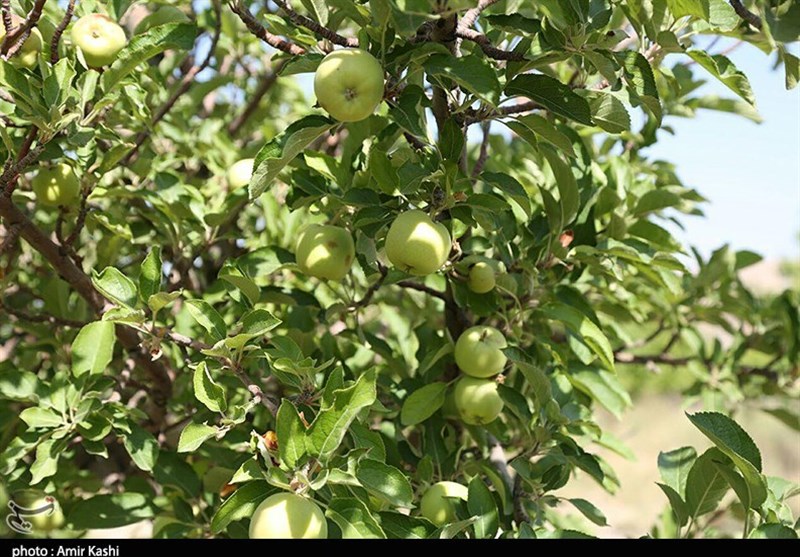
pixel 45 521
pixel 416 244
pixel 479 351
pixel 439 502
pixel 100 39
pixel 287 515
pixel 477 400
pixel 481 278
pixel 28 53
pixel 325 251
pixel 56 186
pixel 349 84
pixel 239 173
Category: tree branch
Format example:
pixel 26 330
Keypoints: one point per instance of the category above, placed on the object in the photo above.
pixel 483 154
pixel 313 26
pixel 422 288
pixel 370 293
pixel 23 30
pixel 746 14
pixel 264 85
pixel 471 16
pixel 60 31
pixel 261 32
pixel 488 48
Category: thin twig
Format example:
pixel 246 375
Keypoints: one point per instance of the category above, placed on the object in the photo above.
pixel 264 85
pixel 422 288
pixel 746 14
pixel 488 48
pixel 60 31
pixel 23 31
pixel 261 32
pixel 8 24
pixel 471 16
pixel 311 25
pixel 483 154
pixel 370 293
pixel 11 171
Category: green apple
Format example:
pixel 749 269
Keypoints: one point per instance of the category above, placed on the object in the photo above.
pixel 162 16
pixel 287 515
pixel 100 39
pixel 479 351
pixel 28 53
pixel 440 500
pixel 31 500
pixel 477 400
pixel 481 278
pixel 239 173
pixel 416 244
pixel 56 186
pixel 349 84
pixel 325 251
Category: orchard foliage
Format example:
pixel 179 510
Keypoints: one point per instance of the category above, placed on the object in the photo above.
pixel 164 357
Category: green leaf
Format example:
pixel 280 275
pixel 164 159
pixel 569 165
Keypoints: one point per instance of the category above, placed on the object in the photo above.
pixel 115 286
pixel 386 482
pixel 142 447
pixel 208 318
pixel 674 467
pixel 583 328
pixel 280 151
pixel 737 482
pixel 569 196
pixel 602 386
pixel 150 274
pixel 472 73
pixel 354 519
pixel 545 129
pixel 37 417
pixel 401 527
pixel 655 200
pixel 423 403
pixel 291 434
pixel 737 445
pixel 331 424
pixel 246 285
pixel 451 141
pixel 160 300
pixel 171 470
pixel 19 385
pixel 589 511
pixel 641 82
pixel 609 113
pixel 725 71
pixel 481 505
pixel 207 391
pixel 552 95
pixel 791 66
pixel 46 462
pixel 408 113
pixel 787 417
pixel 194 435
pixel 773 531
pixel 676 503
pixel 511 188
pixel 110 511
pixel 144 46
pixel 241 504
pixel 255 324
pixel 93 348
pixel 705 486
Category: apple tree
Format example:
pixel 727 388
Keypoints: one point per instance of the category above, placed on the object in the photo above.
pixel 372 268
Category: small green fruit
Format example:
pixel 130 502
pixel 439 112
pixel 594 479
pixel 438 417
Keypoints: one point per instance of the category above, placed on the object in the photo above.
pixel 416 244
pixel 48 519
pixel 477 400
pixel 325 252
pixel 239 173
pixel 479 351
pixel 28 53
pixel 349 84
pixel 481 278
pixel 56 186
pixel 439 502
pixel 100 39
pixel 288 516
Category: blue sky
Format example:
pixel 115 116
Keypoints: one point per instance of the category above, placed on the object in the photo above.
pixel 749 172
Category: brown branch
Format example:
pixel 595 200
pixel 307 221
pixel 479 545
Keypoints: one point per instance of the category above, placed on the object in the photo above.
pixel 422 288
pixel 182 88
pixel 8 24
pixel 23 31
pixel 313 26
pixel 471 16
pixel 82 284
pixel 488 48
pixel 746 14
pixel 261 32
pixel 267 401
pixel 81 220
pixel 264 85
pixel 370 293
pixel 475 116
pixel 60 31
pixel 517 494
pixel 11 171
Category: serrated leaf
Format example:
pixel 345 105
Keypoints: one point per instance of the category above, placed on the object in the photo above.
pixel 726 72
pixel 93 348
pixel 280 151
pixel 291 434
pixel 553 95
pixel 354 519
pixel 472 73
pixel 481 505
pixel 422 403
pixel 585 329
pixel 401 527
pixel 674 467
pixel 705 486
pixel 588 510
pixel 142 447
pixel 46 462
pixel 773 531
pixel 510 187
pixel 208 318
pixel 609 113
pixel 677 504
pixel 641 82
pixel 386 482
pixel 602 386
pixel 37 417
pixel 206 390
pixel 150 274
pixel 241 504
pixel 115 286
pixel 194 435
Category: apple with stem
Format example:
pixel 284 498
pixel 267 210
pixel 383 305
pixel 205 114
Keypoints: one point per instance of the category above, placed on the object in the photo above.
pixel 28 54
pixel 56 186
pixel 416 244
pixel 477 400
pixel 100 39
pixel 348 84
pixel 325 251
pixel 440 501
pixel 288 516
pixel 479 351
